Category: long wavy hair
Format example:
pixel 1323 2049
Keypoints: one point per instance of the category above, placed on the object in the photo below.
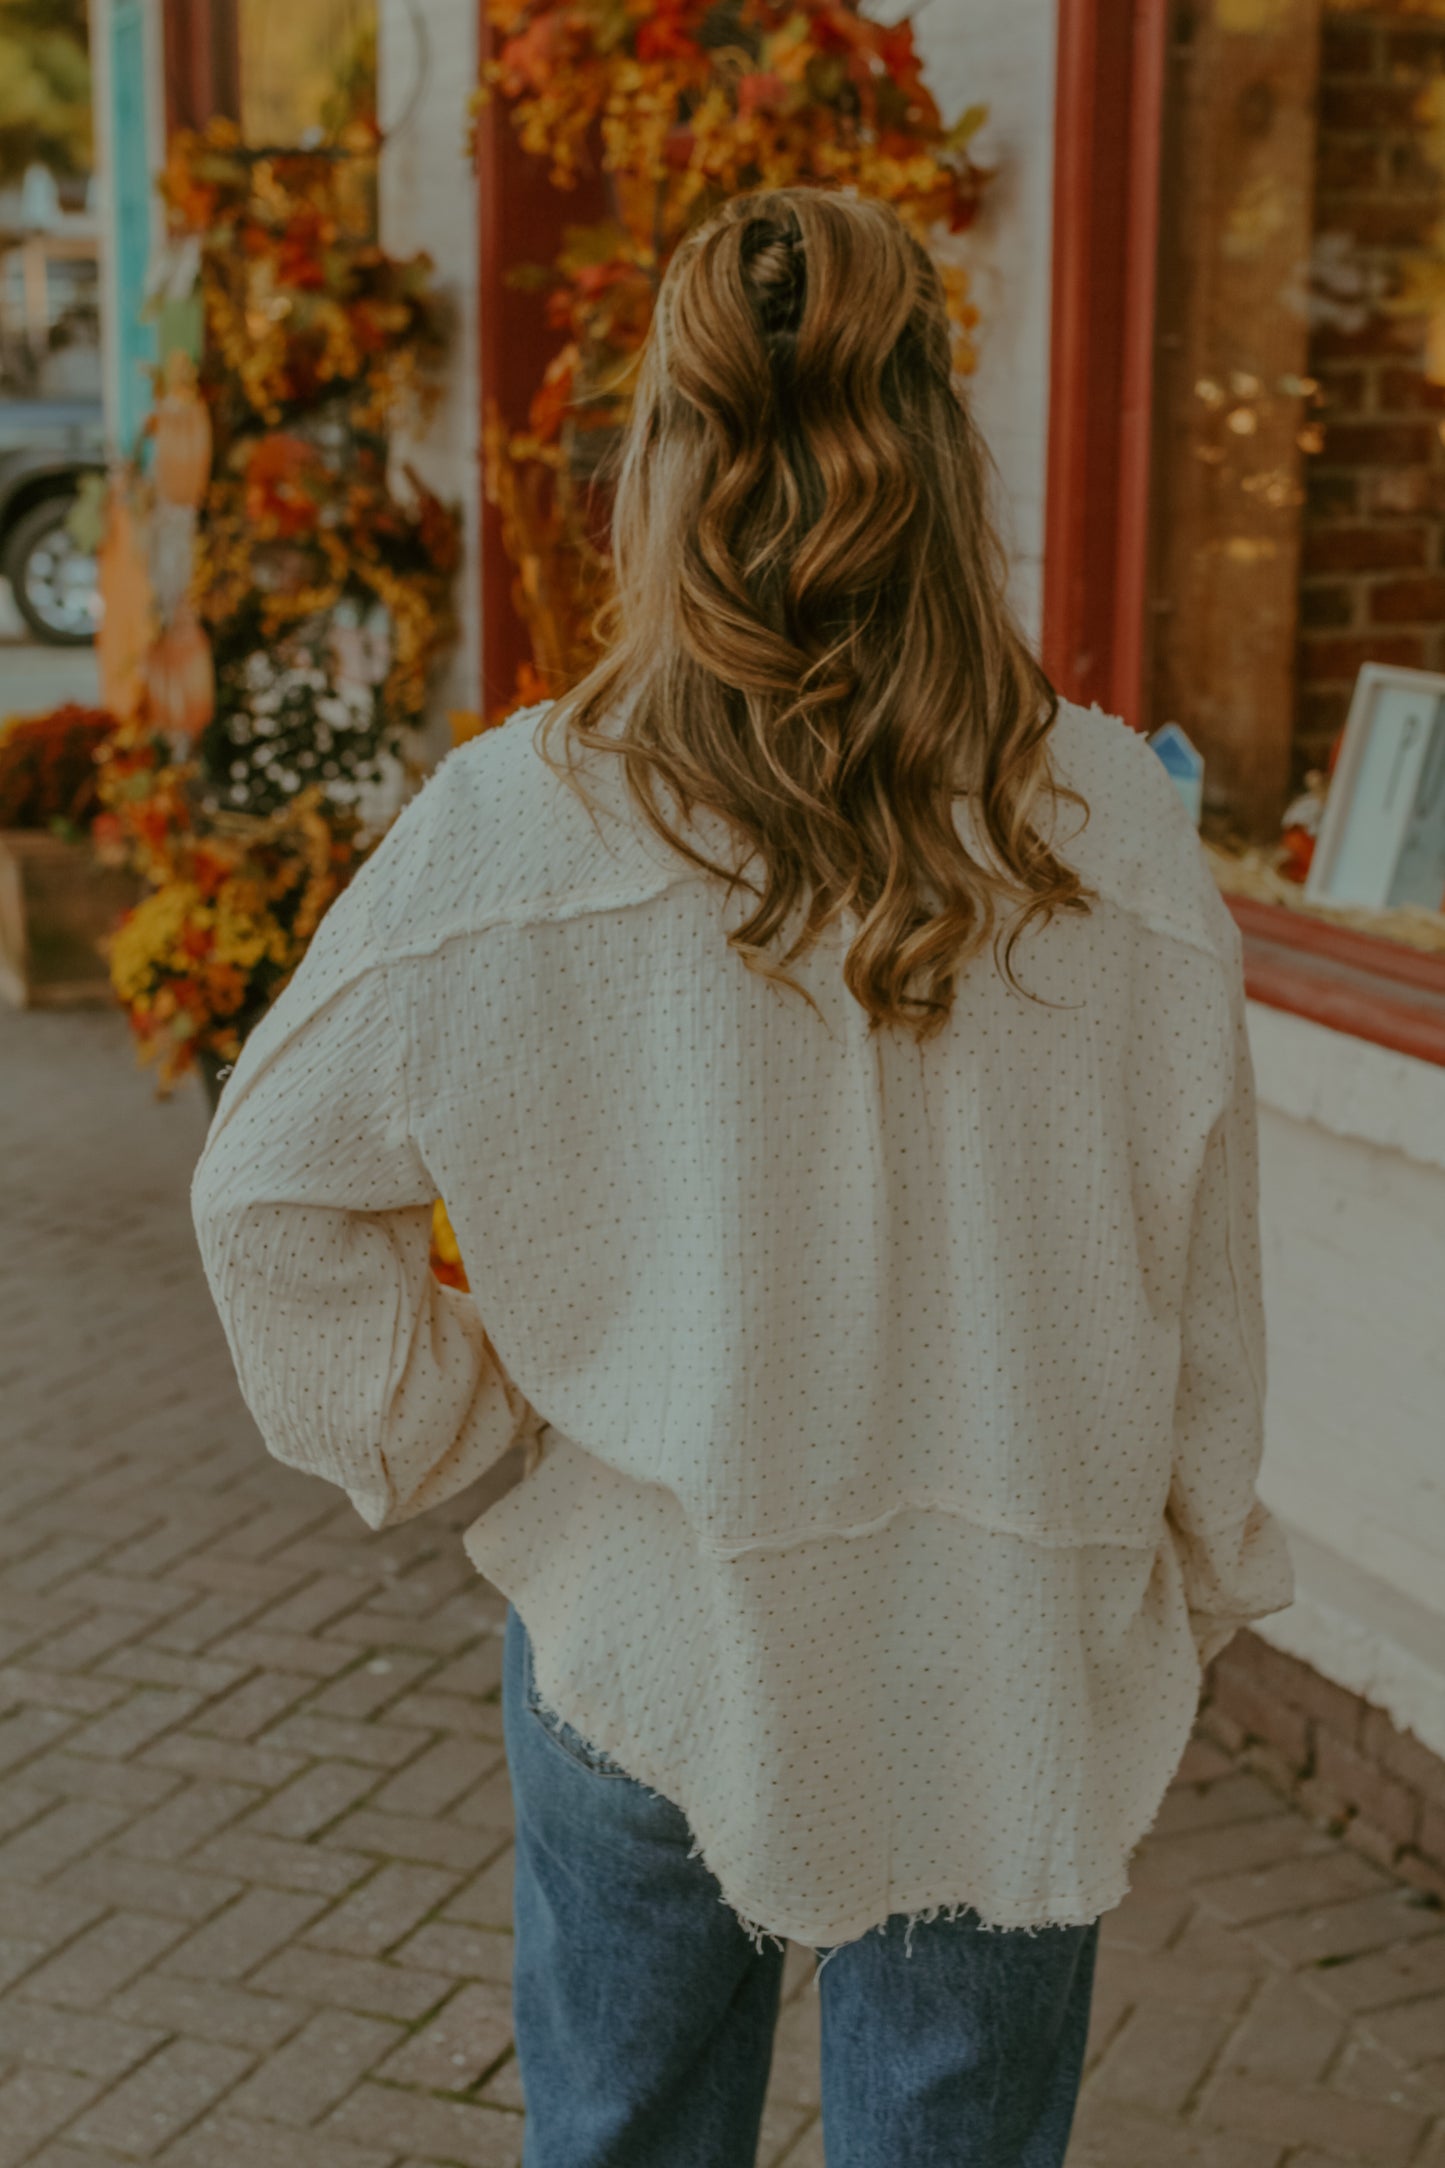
pixel 809 634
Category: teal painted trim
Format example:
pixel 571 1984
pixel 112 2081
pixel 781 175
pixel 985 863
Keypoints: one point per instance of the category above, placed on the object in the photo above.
pixel 131 181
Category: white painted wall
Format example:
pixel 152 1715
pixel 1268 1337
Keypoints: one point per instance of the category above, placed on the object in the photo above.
pixel 1000 53
pixel 1353 1212
pixel 428 68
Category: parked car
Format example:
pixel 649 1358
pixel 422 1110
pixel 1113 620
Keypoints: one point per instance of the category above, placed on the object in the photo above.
pixel 47 447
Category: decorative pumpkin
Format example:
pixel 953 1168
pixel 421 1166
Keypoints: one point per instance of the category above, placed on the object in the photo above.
pixel 127 607
pixel 181 679
pixel 182 436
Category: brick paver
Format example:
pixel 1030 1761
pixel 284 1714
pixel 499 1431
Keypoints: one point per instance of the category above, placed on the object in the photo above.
pixel 254 1844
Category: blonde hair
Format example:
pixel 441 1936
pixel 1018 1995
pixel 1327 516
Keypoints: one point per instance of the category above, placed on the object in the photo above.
pixel 809 634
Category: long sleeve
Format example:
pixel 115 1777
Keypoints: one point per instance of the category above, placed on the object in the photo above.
pixel 313 1210
pixel 1236 1565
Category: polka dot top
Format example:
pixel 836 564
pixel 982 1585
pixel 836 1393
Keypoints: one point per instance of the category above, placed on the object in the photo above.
pixel 895 1410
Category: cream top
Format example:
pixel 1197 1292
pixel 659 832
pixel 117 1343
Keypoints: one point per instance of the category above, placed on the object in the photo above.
pixel 900 1407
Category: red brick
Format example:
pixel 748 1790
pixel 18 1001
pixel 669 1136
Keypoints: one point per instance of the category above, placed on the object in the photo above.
pixel 303 1808
pixel 1316 1880
pixel 99 2047
pixel 1407 391
pixel 317 2069
pixel 1351 50
pixel 436 1779
pixel 1326 603
pixel 1364 2130
pixel 282 1864
pixel 1421 46
pixel 1423 1874
pixel 1402 491
pixel 33 2104
pixel 1331 496
pixel 353 1983
pixel 1412 2033
pixel 1408 163
pixel 143 1885
pixel 71 1828
pixel 254 1705
pixel 1397 221
pixel 1408 601
pixel 88 1973
pixel 1344 658
pixel 1346 103
pixel 1288 2036
pixel 407 1836
pixel 1202 1763
pixel 450 2130
pixel 1220 1728
pixel 1161 2055
pixel 1344 390
pixel 396 1899
pixel 239 1939
pixel 1404 1756
pixel 1387 1977
pixel 459 2046
pixel 1377 444
pixel 1385 1918
pixel 47 1917
pixel 1322 1803
pixel 1380 336
pixel 186 1819
pixel 1431 1838
pixel 1347 163
pixel 203 2011
pixel 1320 714
pixel 1371 1842
pixel 160 2098
pixel 1366 1788
pixel 468 1953
pixel 1331 1705
pixel 1364 549
pixel 226 2141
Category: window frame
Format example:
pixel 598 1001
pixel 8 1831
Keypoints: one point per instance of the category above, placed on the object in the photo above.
pixel 1111 70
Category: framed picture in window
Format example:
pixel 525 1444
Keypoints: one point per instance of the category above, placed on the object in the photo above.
pixel 1382 836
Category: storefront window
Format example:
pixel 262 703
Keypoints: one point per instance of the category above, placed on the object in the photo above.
pixel 1297 504
pixel 307 73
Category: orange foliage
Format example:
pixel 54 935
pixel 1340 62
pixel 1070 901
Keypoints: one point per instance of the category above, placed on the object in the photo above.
pixel 684 103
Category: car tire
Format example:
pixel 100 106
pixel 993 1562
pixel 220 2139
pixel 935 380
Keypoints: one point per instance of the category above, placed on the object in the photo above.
pixel 32 556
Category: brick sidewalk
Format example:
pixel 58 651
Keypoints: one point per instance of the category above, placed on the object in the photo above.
pixel 253 1807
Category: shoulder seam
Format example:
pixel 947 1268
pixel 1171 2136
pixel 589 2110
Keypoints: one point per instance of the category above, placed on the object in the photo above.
pixel 1161 926
pixel 532 914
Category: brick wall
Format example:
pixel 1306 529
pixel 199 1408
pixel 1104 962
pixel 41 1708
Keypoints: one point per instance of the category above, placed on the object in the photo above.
pixel 1343 1760
pixel 1373 579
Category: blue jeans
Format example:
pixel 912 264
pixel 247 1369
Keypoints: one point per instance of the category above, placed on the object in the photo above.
pixel 644 2014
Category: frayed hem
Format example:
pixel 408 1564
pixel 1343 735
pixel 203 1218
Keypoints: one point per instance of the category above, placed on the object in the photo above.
pixel 924 1916
pixel 755 1931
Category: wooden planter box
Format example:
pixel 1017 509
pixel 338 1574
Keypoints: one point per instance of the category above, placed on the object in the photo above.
pixel 55 903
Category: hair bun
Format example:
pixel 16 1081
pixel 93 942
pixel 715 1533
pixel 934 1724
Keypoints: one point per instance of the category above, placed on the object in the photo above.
pixel 774 265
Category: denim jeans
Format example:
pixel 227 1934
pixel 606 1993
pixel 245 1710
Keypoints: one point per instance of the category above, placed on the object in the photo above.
pixel 644 2014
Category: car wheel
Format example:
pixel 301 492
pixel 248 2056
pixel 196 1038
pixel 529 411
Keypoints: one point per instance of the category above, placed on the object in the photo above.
pixel 51 577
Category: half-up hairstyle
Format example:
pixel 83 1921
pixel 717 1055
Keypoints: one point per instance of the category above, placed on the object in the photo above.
pixel 809 634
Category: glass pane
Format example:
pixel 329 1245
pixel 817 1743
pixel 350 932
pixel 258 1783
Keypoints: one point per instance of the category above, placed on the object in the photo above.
pixel 1298 514
pixel 307 72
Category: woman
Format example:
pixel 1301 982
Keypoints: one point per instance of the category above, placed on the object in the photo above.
pixel 831 1049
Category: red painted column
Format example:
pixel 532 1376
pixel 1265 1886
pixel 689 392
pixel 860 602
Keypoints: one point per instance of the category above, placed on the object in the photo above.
pixel 202 61
pixel 1108 115
pixel 521 218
